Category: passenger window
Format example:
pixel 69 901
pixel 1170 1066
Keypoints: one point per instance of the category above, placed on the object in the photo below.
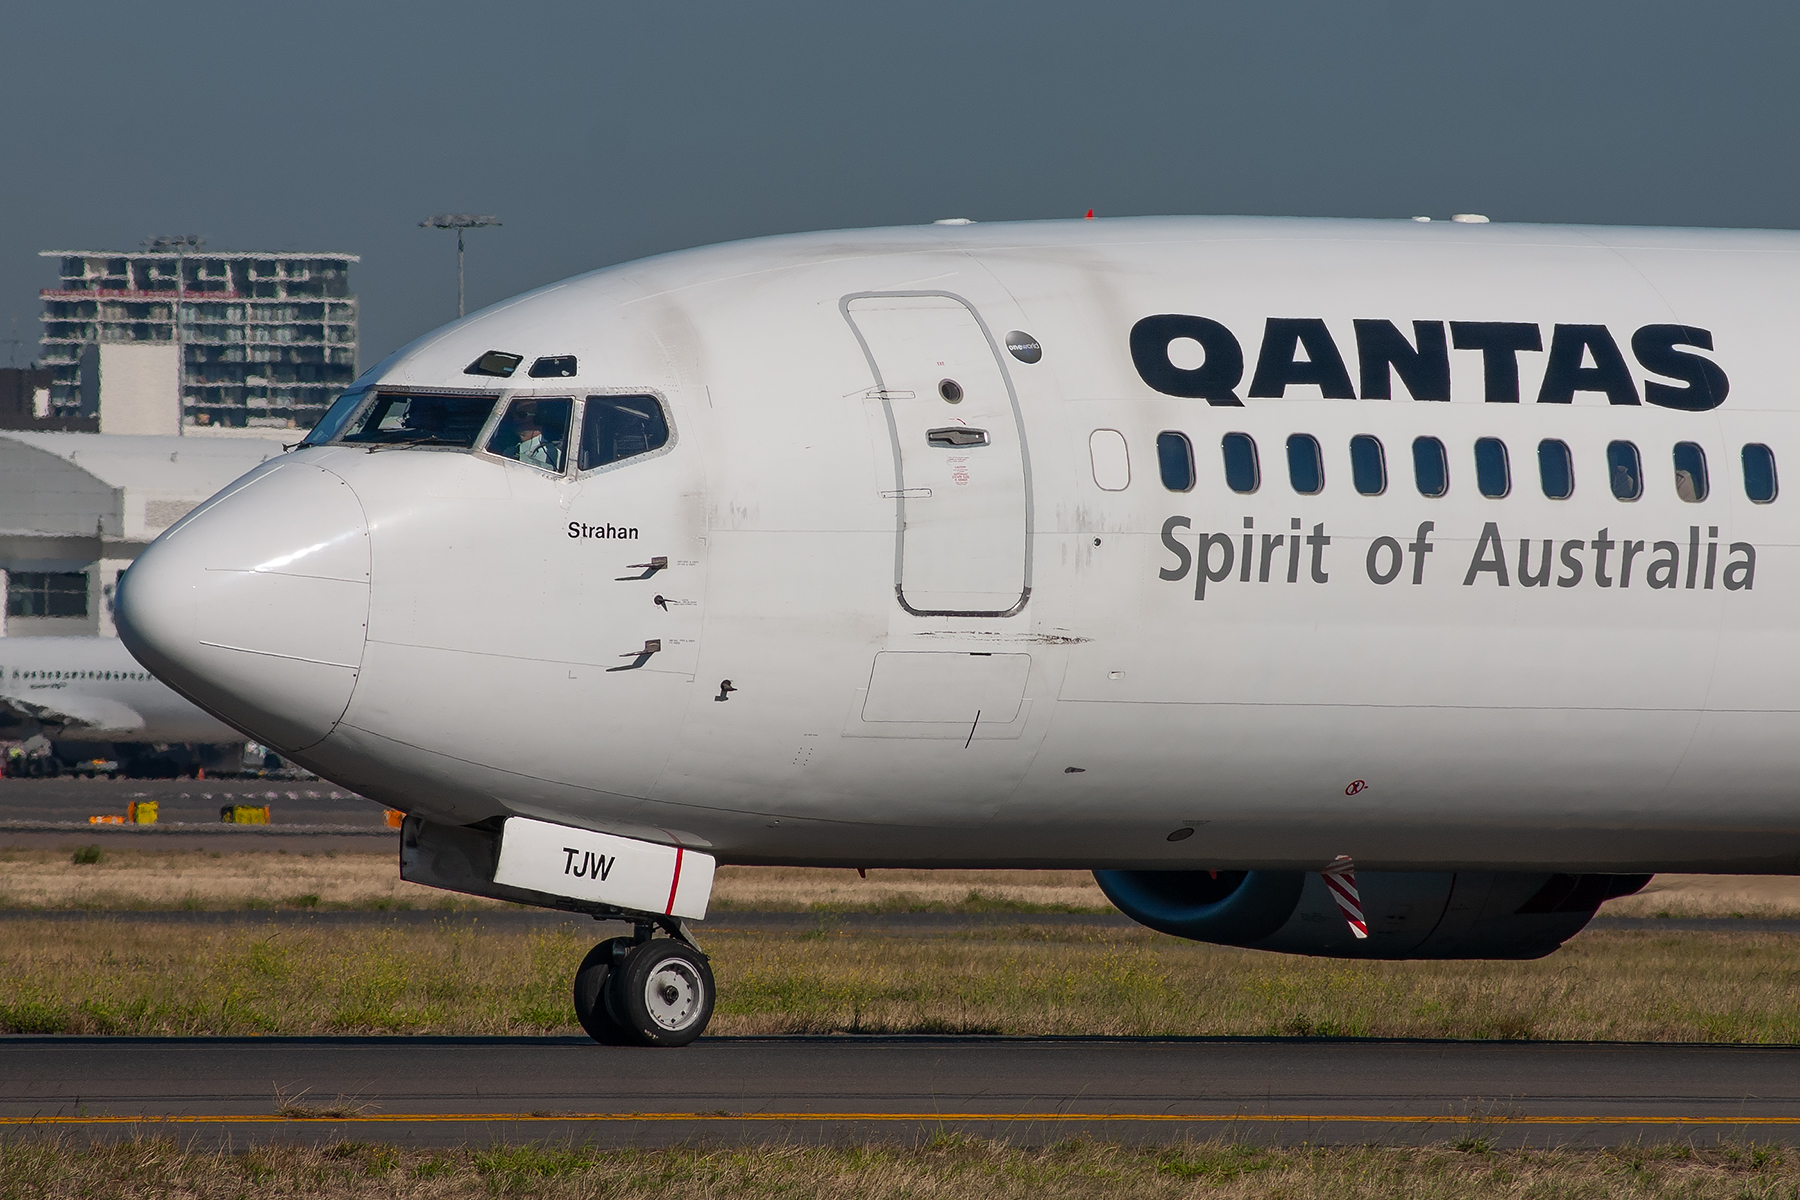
pixel 534 432
pixel 1556 469
pixel 1431 469
pixel 1175 456
pixel 1368 465
pixel 1759 473
pixel 1625 470
pixel 1109 459
pixel 1690 472
pixel 1493 472
pixel 1306 469
pixel 403 419
pixel 620 427
pixel 1242 472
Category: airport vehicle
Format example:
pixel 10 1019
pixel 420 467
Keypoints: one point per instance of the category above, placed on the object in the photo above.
pixel 1359 588
pixel 70 698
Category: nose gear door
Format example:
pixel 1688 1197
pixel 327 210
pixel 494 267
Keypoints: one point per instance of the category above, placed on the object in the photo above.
pixel 962 487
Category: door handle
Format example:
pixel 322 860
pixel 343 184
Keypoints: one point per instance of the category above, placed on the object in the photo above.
pixel 659 563
pixel 956 436
pixel 638 657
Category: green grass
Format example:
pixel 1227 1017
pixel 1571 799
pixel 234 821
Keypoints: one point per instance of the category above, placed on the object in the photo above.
pixel 944 1167
pixel 149 977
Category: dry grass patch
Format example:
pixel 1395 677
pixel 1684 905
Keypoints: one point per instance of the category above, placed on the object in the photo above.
pixel 150 880
pixel 946 1167
pixel 150 977
pixel 1760 896
pixel 825 889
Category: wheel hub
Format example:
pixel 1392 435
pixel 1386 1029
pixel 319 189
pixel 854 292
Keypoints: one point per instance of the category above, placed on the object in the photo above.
pixel 672 994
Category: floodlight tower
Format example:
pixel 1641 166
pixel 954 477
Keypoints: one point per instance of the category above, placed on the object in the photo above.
pixel 458 222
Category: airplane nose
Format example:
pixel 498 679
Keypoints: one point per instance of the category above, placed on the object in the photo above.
pixel 255 606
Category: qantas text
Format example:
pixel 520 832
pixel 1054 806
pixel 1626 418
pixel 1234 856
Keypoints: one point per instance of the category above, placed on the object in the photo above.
pixel 1300 351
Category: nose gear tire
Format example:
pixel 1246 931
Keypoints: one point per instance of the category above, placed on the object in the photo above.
pixel 661 994
pixel 590 993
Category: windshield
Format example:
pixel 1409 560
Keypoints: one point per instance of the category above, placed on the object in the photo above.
pixel 411 419
pixel 336 417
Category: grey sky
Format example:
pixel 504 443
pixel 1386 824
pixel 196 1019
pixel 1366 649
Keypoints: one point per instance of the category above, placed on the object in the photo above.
pixel 603 132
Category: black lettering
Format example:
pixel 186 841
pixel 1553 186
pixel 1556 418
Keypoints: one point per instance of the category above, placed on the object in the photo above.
pixel 1569 551
pixel 1564 375
pixel 1393 548
pixel 1526 578
pixel 1318 541
pixel 1601 545
pixel 1490 555
pixel 1662 572
pixel 1741 576
pixel 606 865
pixel 1277 366
pixel 1500 343
pixel 1183 560
pixel 1271 542
pixel 1294 551
pixel 1712 554
pixel 1693 559
pixel 1627 552
pixel 569 861
pixel 1203 569
pixel 1425 371
pixel 1215 380
pixel 574 528
pixel 1246 560
pixel 1706 385
pixel 1420 547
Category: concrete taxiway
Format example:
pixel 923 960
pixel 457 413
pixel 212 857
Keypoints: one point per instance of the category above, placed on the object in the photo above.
pixel 449 1090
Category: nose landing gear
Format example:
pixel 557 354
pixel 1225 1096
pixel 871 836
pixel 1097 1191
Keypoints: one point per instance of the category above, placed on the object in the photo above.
pixel 644 991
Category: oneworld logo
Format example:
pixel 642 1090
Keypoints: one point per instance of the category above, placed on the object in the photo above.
pixel 1298 351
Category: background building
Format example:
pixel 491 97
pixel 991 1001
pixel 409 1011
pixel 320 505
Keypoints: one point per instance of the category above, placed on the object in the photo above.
pixel 25 403
pixel 183 341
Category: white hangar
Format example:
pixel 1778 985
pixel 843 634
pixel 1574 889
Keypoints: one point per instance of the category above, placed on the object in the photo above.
pixel 76 508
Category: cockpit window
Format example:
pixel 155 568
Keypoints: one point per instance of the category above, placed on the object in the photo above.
pixel 535 432
pixel 497 363
pixel 561 366
pixel 619 427
pixel 411 419
pixel 336 417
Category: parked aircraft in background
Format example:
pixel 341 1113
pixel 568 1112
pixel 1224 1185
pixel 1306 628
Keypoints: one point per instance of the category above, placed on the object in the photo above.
pixel 1360 588
pixel 89 693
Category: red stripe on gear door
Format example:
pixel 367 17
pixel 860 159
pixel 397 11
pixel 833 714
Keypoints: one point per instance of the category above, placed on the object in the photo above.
pixel 669 909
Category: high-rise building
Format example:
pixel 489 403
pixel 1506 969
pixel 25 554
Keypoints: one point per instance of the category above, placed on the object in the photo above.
pixel 177 339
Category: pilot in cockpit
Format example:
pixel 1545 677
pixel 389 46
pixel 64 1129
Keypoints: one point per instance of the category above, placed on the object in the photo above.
pixel 521 433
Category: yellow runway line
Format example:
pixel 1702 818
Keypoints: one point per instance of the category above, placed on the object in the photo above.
pixel 828 1118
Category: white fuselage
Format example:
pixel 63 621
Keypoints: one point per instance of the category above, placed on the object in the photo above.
pixel 945 648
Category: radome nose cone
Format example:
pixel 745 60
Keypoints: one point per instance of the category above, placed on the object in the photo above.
pixel 255 607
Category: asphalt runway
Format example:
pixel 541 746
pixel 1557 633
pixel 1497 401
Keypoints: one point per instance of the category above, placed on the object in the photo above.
pixel 55 812
pixel 834 1088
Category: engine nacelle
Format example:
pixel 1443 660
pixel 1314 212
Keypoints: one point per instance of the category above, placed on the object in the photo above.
pixel 1410 914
